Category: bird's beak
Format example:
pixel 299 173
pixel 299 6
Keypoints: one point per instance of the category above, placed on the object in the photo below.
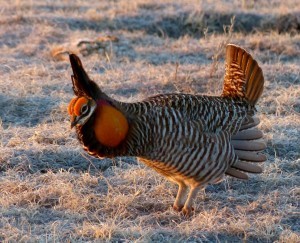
pixel 74 121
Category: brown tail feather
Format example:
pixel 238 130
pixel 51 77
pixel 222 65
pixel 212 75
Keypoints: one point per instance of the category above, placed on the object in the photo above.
pixel 243 77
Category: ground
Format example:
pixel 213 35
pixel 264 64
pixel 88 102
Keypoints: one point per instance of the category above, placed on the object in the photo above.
pixel 52 191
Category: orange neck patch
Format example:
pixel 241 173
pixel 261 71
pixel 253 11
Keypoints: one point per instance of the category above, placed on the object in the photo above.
pixel 110 126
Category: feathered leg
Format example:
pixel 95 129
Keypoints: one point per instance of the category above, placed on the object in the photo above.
pixel 188 209
pixel 181 196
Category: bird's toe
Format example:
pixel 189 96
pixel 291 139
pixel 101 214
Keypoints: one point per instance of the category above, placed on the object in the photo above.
pixel 187 211
pixel 178 208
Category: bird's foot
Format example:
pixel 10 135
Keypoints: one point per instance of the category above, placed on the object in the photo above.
pixel 178 208
pixel 187 211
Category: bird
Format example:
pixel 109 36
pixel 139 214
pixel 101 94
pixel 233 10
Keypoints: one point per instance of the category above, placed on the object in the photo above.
pixel 191 139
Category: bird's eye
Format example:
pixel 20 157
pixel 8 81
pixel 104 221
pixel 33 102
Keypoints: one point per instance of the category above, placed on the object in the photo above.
pixel 84 109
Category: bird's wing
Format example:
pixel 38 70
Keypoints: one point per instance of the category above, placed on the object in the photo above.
pixel 193 154
pixel 185 135
pixel 215 114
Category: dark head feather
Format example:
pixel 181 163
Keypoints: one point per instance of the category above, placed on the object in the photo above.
pixel 82 84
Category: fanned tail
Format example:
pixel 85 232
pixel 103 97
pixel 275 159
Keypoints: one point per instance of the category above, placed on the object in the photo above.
pixel 244 79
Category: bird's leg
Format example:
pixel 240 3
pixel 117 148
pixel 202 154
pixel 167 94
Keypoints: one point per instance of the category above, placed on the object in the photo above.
pixel 187 209
pixel 181 196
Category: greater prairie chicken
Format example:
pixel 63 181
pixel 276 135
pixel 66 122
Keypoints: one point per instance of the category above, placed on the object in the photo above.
pixel 192 140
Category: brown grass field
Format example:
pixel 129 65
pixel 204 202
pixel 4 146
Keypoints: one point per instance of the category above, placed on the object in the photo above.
pixel 52 191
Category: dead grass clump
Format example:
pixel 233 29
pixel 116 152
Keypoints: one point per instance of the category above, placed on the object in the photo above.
pixel 98 230
pixel 289 236
pixel 222 46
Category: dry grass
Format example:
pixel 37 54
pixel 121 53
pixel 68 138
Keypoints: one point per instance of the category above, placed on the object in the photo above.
pixel 50 190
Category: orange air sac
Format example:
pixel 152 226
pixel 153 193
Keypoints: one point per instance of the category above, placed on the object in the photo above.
pixel 110 125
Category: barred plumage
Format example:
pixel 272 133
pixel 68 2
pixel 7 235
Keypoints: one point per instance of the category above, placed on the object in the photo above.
pixel 192 140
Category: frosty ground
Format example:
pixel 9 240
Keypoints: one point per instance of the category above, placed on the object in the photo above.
pixel 51 190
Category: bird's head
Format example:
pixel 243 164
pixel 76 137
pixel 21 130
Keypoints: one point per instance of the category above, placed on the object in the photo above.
pixel 81 109
pixel 107 123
